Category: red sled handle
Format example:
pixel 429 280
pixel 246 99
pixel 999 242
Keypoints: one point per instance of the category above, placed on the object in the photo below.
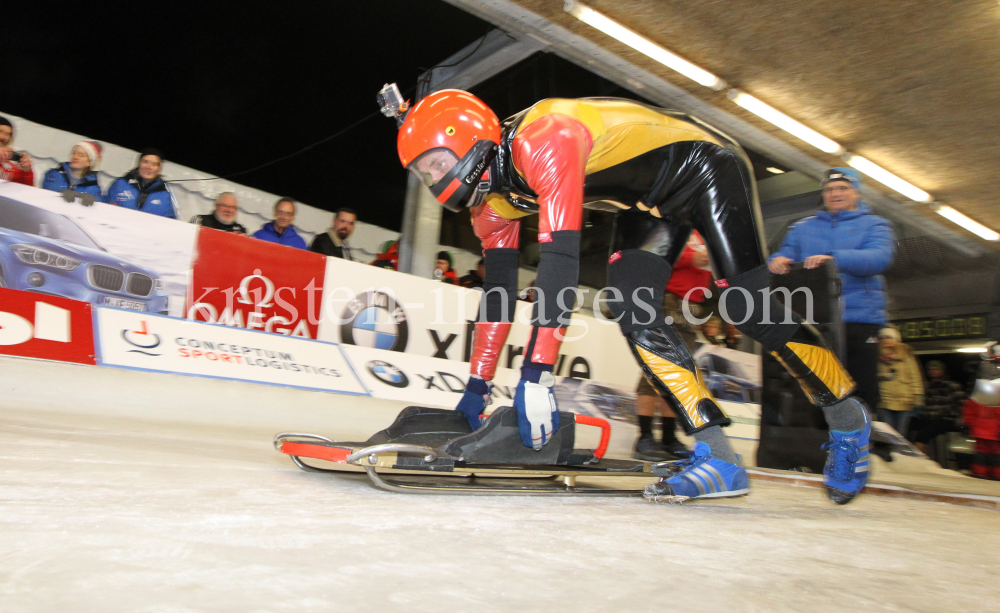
pixel 605 427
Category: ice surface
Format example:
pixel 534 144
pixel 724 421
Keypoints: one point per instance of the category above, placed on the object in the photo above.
pixel 112 513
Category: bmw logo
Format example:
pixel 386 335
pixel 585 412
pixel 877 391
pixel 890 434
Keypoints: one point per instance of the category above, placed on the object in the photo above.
pixel 375 320
pixel 387 373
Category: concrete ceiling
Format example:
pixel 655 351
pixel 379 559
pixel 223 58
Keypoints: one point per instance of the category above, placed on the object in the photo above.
pixel 913 85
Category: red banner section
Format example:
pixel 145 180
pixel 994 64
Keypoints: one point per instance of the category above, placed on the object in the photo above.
pixel 255 285
pixel 45 327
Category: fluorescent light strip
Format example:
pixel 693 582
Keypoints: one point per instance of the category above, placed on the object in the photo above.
pixel 784 122
pixel 972 350
pixel 888 179
pixel 643 45
pixel 972 226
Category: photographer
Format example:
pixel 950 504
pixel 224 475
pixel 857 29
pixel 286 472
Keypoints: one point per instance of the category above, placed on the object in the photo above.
pixel 15 166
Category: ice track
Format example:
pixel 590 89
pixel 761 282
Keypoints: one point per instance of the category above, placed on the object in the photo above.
pixel 115 513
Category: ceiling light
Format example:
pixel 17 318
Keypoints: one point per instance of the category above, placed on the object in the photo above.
pixel 972 350
pixel 773 170
pixel 643 45
pixel 784 122
pixel 972 226
pixel 888 179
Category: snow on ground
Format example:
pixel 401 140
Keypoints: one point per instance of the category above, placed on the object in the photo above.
pixel 111 513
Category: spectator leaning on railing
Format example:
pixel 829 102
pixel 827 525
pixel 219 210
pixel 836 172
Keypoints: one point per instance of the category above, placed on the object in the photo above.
pixel 14 165
pixel 224 217
pixel 142 189
pixel 281 230
pixel 77 178
pixel 861 246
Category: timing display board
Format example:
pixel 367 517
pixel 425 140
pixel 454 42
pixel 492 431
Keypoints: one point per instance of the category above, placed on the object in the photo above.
pixel 955 327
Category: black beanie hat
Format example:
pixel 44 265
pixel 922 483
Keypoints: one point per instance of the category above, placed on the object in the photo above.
pixel 5 122
pixel 444 255
pixel 150 151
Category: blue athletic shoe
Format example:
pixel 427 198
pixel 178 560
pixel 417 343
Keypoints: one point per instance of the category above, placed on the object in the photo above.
pixel 702 476
pixel 847 465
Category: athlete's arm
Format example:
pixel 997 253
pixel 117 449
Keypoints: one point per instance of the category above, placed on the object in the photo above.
pixel 551 153
pixel 499 237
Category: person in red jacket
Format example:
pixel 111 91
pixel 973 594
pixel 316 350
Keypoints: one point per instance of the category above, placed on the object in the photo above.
pixel 15 166
pixel 981 413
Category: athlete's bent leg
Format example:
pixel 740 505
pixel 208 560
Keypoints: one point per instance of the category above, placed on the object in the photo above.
pixel 728 218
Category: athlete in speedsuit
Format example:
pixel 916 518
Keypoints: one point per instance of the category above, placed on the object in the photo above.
pixel 560 156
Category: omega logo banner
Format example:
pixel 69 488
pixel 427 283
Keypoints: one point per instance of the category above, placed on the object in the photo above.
pixel 148 342
pixel 45 327
pixel 255 285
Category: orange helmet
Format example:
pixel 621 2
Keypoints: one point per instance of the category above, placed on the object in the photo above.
pixel 448 140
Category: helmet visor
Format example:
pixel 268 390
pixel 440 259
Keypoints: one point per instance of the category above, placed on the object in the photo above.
pixel 432 166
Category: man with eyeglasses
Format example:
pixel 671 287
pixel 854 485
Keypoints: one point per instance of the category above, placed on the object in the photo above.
pixel 281 230
pixel 224 217
pixel 861 246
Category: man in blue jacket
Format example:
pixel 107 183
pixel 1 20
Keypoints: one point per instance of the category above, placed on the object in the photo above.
pixel 281 230
pixel 861 246
pixel 142 189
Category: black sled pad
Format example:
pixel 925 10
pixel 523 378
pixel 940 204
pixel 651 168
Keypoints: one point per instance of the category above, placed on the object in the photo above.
pixel 498 441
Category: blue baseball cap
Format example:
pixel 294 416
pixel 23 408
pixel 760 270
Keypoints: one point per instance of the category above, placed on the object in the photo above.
pixel 843 174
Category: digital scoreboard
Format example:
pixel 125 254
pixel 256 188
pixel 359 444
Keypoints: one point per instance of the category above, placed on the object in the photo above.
pixel 943 328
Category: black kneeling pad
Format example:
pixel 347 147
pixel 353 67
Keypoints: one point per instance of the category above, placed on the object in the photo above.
pixel 499 442
pixel 423 426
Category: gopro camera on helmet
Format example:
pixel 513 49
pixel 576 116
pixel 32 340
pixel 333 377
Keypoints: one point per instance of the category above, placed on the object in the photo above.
pixel 391 102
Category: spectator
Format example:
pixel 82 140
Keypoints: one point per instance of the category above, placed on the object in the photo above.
pixel 333 242
pixel 691 271
pixel 982 414
pixel 224 217
pixel 734 339
pixel 142 189
pixel 860 245
pixel 900 383
pixel 77 177
pixel 442 269
pixel 943 400
pixel 711 332
pixel 475 277
pixel 281 230
pixel 15 166
pixel 388 256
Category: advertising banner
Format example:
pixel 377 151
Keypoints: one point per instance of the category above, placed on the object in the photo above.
pixel 145 342
pixel 45 327
pixel 384 309
pixel 735 380
pixel 256 285
pixel 102 254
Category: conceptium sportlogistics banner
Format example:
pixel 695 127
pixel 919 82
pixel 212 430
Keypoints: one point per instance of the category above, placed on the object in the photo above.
pixel 141 341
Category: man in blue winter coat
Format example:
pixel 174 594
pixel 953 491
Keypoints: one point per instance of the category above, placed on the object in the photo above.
pixel 281 230
pixel 861 246
pixel 142 189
